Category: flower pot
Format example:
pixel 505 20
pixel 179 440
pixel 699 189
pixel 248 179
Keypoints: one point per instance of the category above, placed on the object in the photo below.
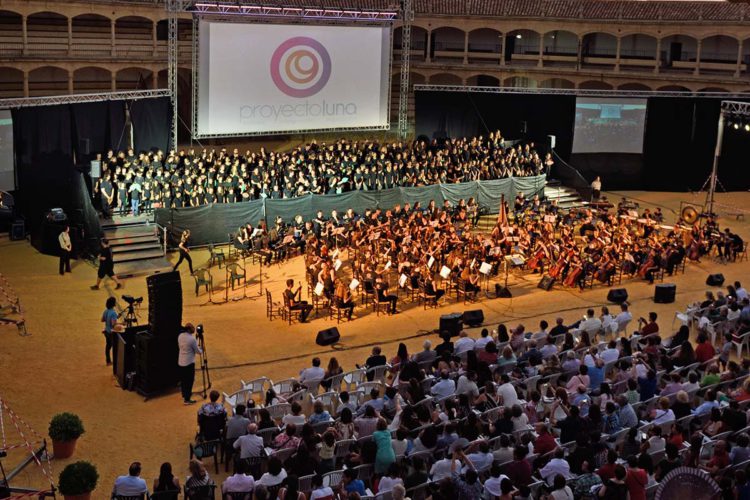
pixel 83 496
pixel 63 449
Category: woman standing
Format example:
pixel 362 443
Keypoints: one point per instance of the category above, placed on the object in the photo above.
pixel 385 455
pixel 184 251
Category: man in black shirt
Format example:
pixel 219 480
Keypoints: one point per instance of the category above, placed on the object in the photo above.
pixel 375 359
pixel 571 426
pixel 107 193
pixel 106 266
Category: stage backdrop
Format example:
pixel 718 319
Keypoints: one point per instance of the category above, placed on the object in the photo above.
pixel 677 145
pixel 213 223
pixel 273 78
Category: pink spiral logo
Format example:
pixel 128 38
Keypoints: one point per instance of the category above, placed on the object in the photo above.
pixel 300 67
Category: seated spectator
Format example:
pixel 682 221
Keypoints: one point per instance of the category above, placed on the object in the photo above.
pixel 519 470
pixel 301 464
pixel 132 484
pixel 709 402
pixel 560 489
pixel 296 417
pixel 582 378
pixel 351 484
pixel 464 343
pixel 557 466
pixel 240 481
pixel 444 387
pixel 320 492
pixel 250 445
pixel 275 475
pixel 315 372
pixel 615 488
pixel 467 486
pixel 490 355
pixel 670 462
pixel 198 476
pixel 320 414
pixel 636 479
pixel 663 413
pixel 391 478
pixel 704 351
pixel 291 489
pixel 719 458
pixel 345 428
pixel 287 439
pixel 586 481
pixel 545 442
pixel 168 481
pixel 237 425
pixel 366 424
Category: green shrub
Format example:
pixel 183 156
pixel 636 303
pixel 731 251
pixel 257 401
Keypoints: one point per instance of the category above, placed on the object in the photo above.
pixel 78 478
pixel 65 427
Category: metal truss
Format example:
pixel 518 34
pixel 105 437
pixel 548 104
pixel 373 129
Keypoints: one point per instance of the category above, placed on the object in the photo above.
pixel 238 8
pixel 174 7
pixel 407 16
pixel 733 109
pixel 293 132
pixel 576 92
pixel 127 95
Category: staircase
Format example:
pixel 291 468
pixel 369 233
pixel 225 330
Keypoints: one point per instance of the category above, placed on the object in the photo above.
pixel 567 198
pixel 136 243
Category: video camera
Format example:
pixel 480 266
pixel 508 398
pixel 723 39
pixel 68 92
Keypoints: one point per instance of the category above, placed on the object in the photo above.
pixel 132 300
pixel 199 330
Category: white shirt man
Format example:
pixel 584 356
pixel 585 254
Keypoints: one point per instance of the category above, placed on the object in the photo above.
pixel 239 482
pixel 508 393
pixel 315 372
pixel 591 325
pixel 610 354
pixel 250 445
pixel 467 386
pixel 463 344
pixel 623 319
pixel 492 485
pixel 609 324
pixel 741 293
pixel 444 387
pixel 557 465
pixel 482 341
pixel 479 460
pixel 131 485
pixel 548 350
pixel 442 469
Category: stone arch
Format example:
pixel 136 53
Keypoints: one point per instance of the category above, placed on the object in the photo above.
pixel 92 34
pixel 520 82
pixel 92 79
pixel 446 79
pixel 482 80
pixel 561 42
pixel 48 80
pixel 719 49
pixel 633 86
pixel 556 83
pixel 595 85
pixel 638 46
pixel 678 48
pixel 673 88
pixel 11 82
pixel 599 45
pixel 47 33
pixel 447 42
pixel 133 79
pixel 522 45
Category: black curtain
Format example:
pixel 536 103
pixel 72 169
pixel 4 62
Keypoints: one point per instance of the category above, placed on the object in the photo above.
pixel 529 116
pixel 678 148
pixel 151 120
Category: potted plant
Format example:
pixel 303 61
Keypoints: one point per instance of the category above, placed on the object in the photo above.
pixel 65 429
pixel 78 480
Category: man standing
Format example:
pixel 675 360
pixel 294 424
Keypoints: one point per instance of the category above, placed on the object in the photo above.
pixel 106 266
pixel 109 317
pixel 107 194
pixel 65 249
pixel 131 485
pixel 188 349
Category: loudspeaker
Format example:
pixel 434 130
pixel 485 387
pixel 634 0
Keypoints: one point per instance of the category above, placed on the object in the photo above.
pixel 473 318
pixel 17 230
pixel 551 141
pixel 617 295
pixel 546 283
pixel 328 337
pixel 165 303
pixel 155 363
pixel 502 292
pixel 715 279
pixel 451 323
pixel 664 293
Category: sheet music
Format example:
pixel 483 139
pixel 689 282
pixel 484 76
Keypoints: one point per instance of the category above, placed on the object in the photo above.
pixel 337 264
pixel 485 268
pixel 430 262
pixel 402 280
pixel 445 272
pixel 257 231
pixel 318 289
pixel 354 284
pixel 387 265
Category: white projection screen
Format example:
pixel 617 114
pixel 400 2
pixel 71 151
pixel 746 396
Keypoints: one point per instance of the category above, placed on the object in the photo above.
pixel 260 79
pixel 7 177
pixel 609 125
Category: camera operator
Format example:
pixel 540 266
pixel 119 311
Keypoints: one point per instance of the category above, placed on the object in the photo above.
pixel 109 318
pixel 188 346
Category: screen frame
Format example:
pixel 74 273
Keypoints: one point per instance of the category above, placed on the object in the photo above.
pixel 195 76
pixel 645 100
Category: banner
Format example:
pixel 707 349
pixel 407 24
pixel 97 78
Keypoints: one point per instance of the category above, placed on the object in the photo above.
pixel 273 78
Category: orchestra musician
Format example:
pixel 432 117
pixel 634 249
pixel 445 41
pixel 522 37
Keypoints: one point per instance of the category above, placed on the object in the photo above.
pixel 290 300
pixel 344 299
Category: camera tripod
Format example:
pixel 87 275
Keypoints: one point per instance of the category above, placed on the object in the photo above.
pixel 205 373
pixel 131 316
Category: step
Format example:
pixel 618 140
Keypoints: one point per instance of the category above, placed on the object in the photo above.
pixel 133 241
pixel 153 245
pixel 129 232
pixel 138 255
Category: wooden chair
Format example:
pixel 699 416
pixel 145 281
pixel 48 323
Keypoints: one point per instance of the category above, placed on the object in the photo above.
pixel 427 300
pixel 287 313
pixel 203 278
pixel 273 308
pixel 236 274
pixel 380 306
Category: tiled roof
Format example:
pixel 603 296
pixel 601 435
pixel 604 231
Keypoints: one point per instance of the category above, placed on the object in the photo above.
pixel 590 9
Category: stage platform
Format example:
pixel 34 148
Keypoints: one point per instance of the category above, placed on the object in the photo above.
pixel 60 367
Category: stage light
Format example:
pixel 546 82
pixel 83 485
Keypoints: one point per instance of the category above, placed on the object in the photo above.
pixel 747 127
pixel 736 126
pixel 519 36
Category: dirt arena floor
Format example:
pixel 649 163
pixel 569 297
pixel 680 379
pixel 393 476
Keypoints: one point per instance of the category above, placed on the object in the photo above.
pixel 60 367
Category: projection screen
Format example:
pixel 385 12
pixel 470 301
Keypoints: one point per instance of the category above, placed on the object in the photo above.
pixel 259 79
pixel 609 125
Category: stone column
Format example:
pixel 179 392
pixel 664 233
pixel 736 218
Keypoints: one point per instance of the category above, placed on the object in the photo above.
pixel 579 58
pixel 153 37
pixel 112 37
pixel 113 80
pixel 25 36
pixel 466 47
pixel 427 57
pixel 70 81
pixel 540 63
pixel 657 66
pixel 70 35
pixel 155 79
pixel 697 69
pixel 25 83
pixel 502 50
pixel 617 54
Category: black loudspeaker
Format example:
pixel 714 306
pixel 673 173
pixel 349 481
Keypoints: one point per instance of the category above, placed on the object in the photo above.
pixel 664 293
pixel 473 318
pixel 165 304
pixel 123 352
pixel 17 230
pixel 715 279
pixel 546 283
pixel 328 337
pixel 155 363
pixel 451 323
pixel 502 292
pixel 617 295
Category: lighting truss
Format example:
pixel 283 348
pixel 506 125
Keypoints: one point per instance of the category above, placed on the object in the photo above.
pixel 134 95
pixel 735 109
pixel 254 10
pixel 579 92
